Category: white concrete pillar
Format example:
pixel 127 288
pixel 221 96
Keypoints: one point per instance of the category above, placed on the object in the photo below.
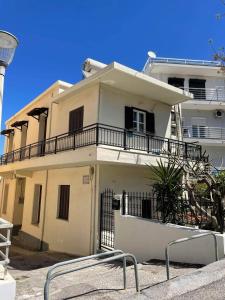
pixel 2 76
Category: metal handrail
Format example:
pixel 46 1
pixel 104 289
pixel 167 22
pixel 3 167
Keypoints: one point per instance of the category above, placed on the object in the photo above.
pixel 185 240
pixel 123 256
pixel 203 132
pixel 185 61
pixel 5 243
pixel 95 134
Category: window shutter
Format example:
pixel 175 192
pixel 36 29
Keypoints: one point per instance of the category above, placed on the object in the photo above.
pixel 128 117
pixel 63 206
pixel 76 118
pixel 150 122
pixel 36 204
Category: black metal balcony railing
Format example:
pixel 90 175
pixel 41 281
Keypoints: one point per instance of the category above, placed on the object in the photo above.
pixel 100 134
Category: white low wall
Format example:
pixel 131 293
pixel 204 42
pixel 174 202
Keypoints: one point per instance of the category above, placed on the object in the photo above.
pixel 147 240
pixel 7 287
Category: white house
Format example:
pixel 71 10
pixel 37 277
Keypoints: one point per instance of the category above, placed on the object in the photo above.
pixel 203 118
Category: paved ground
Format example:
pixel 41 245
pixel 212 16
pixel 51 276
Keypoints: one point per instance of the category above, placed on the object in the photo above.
pixel 102 282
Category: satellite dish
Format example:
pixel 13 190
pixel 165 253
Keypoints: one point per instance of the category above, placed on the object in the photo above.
pixel 151 54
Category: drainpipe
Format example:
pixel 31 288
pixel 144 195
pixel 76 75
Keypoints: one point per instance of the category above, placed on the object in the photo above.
pixel 44 213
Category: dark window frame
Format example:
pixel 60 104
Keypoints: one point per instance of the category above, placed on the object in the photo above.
pixel 63 202
pixel 149 120
pixel 72 119
pixel 36 218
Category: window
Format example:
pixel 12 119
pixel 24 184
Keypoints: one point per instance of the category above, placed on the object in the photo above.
pixel 10 142
pixel 197 88
pixel 42 127
pixel 198 127
pixel 177 82
pixel 5 198
pixel 174 130
pixel 20 190
pixel 36 204
pixel 63 202
pixel 76 118
pixel 139 120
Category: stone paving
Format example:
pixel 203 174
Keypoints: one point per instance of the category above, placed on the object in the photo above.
pixel 101 282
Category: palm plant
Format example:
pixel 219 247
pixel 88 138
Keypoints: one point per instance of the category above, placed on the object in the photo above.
pixel 168 189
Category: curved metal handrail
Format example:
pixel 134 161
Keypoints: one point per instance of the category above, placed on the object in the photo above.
pixel 123 256
pixel 185 240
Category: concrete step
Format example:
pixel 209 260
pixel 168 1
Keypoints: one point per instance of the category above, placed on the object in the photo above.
pixel 206 283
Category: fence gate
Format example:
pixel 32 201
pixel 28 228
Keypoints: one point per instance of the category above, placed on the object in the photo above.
pixel 107 220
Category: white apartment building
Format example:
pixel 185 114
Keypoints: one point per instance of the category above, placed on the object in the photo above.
pixel 203 118
pixel 63 149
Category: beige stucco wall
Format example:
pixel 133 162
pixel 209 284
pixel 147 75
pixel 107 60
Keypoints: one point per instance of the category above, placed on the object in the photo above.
pixel 11 200
pixel 44 100
pixel 87 97
pixel 37 178
pixel 72 236
pixel 112 109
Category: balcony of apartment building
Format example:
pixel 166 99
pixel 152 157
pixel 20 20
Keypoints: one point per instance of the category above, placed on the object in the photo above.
pixel 96 143
pixel 204 134
pixel 206 93
pixel 209 98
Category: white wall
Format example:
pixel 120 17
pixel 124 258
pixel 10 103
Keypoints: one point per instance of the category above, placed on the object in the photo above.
pixel 148 239
pixel 211 120
pixel 112 109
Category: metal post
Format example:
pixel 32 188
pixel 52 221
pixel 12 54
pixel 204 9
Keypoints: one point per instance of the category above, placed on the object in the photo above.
pixel 56 144
pixel 74 140
pixel 100 225
pixel 2 76
pixel 124 203
pixel 167 263
pixel 186 150
pixel 97 134
pixel 125 139
pixel 185 240
pixel 124 273
pixel 148 150
pixel 29 151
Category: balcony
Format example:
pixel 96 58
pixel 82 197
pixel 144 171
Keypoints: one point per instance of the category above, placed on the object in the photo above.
pixel 203 132
pixel 207 94
pixel 178 61
pixel 104 135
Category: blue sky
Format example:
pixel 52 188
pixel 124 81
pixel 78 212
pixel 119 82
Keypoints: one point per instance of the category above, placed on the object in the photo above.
pixel 57 35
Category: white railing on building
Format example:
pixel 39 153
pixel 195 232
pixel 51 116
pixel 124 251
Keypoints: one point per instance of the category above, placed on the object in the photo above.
pixel 5 243
pixel 204 132
pixel 183 61
pixel 207 94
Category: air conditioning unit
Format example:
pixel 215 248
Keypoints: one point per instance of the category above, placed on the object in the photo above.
pixel 219 113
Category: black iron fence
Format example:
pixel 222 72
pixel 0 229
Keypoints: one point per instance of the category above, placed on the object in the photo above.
pixel 147 205
pixel 107 223
pixel 100 134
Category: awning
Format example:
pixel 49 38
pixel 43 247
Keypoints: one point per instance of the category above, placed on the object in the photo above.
pixel 7 131
pixel 20 124
pixel 36 112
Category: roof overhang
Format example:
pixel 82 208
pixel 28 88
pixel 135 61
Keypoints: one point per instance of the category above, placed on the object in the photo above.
pixel 20 124
pixel 182 69
pixel 134 82
pixel 7 131
pixel 37 111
